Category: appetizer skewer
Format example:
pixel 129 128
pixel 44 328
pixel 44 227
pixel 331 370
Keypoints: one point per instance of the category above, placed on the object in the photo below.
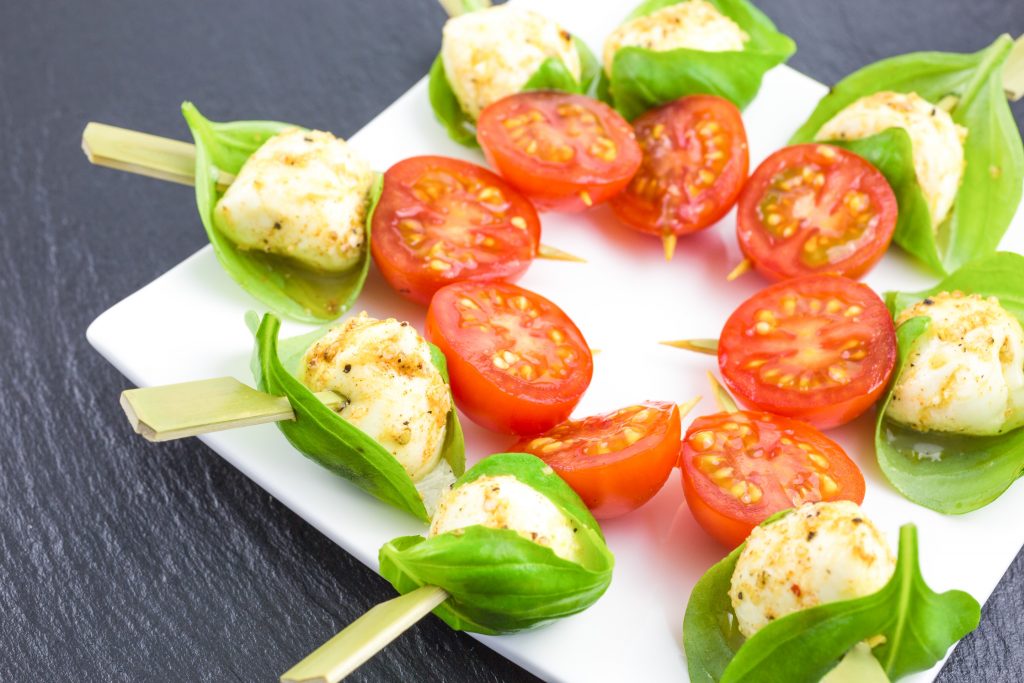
pixel 174 161
pixel 510 547
pixel 816 587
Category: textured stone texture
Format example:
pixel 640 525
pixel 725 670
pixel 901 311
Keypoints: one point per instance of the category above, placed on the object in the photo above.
pixel 122 560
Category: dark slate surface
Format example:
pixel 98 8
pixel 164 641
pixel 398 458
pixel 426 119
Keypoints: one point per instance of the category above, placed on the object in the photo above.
pixel 122 560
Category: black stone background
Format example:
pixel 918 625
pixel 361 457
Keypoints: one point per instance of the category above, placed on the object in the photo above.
pixel 121 560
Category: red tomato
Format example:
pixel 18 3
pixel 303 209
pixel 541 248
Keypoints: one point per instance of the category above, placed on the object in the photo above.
pixel 741 468
pixel 616 462
pixel 695 162
pixel 441 220
pixel 819 348
pixel 517 363
pixel 566 152
pixel 815 209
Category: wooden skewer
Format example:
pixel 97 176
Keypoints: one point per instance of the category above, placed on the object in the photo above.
pixel 668 243
pixel 365 637
pixel 177 411
pixel 706 346
pixel 741 268
pixel 175 161
pixel 722 396
pixel 685 408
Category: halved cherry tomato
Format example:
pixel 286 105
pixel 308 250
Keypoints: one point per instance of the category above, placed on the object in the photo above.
pixel 517 363
pixel 566 152
pixel 695 162
pixel 741 468
pixel 819 348
pixel 815 209
pixel 440 220
pixel 616 462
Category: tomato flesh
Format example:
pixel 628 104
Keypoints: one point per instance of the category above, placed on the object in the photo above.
pixel 820 348
pixel 695 160
pixel 516 362
pixel 815 209
pixel 617 461
pixel 441 220
pixel 566 152
pixel 741 468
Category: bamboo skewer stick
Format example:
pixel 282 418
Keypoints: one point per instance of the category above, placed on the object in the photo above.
pixel 365 637
pixel 668 243
pixel 741 268
pixel 722 396
pixel 706 346
pixel 177 411
pixel 175 161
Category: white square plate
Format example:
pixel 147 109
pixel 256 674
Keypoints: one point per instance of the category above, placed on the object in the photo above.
pixel 188 324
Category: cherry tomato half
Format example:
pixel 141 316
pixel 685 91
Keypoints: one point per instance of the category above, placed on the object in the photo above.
pixel 695 162
pixel 517 363
pixel 815 209
pixel 440 220
pixel 566 152
pixel 616 462
pixel 741 468
pixel 819 348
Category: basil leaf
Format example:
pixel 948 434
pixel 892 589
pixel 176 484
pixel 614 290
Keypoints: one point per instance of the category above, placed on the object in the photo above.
pixel 991 188
pixel 325 437
pixel 498 581
pixel 918 624
pixel 952 473
pixel 642 79
pixel 281 284
pixel 552 74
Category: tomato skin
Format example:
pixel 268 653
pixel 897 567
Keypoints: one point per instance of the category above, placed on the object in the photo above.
pixel 777 256
pixel 767 462
pixel 676 139
pixel 612 484
pixel 457 220
pixel 572 183
pixel 825 405
pixel 492 398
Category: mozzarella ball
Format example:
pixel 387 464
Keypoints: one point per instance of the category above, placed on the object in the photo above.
pixel 965 374
pixel 491 53
pixel 936 142
pixel 818 553
pixel 693 24
pixel 302 195
pixel 504 502
pixel 395 394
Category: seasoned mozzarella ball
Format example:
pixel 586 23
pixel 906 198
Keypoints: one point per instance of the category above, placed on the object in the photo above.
pixel 491 53
pixel 819 553
pixel 303 195
pixel 693 24
pixel 504 502
pixel 395 393
pixel 936 142
pixel 965 374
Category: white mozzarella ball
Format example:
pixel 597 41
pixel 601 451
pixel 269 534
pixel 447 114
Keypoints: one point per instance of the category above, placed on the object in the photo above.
pixel 936 142
pixel 491 53
pixel 818 553
pixel 693 24
pixel 395 393
pixel 303 195
pixel 965 374
pixel 504 502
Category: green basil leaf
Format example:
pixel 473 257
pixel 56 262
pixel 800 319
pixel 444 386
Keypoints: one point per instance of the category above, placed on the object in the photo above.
pixel 281 284
pixel 891 153
pixel 498 581
pixel 642 79
pixel 991 187
pixel 325 437
pixel 551 75
pixel 918 624
pixel 952 473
